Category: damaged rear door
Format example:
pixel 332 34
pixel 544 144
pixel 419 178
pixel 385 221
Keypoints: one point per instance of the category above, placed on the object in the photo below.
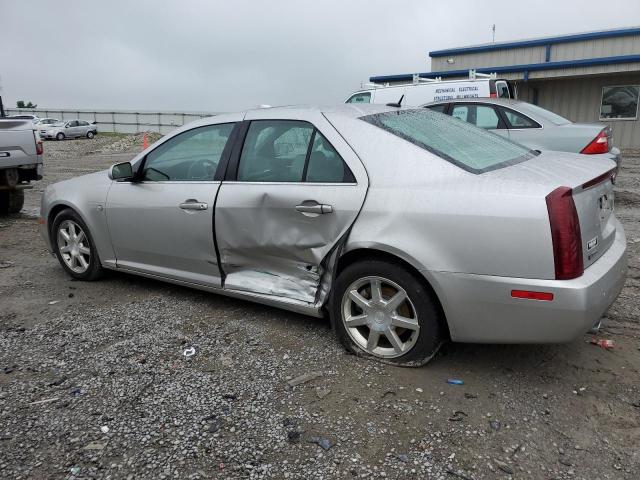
pixel 293 189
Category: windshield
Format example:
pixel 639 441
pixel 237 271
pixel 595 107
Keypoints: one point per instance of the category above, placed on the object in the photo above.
pixel 546 114
pixel 465 145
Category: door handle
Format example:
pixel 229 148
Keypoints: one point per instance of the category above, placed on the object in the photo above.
pixel 316 208
pixel 193 204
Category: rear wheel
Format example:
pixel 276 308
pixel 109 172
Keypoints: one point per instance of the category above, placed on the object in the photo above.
pixel 74 246
pixel 60 136
pixel 381 310
pixel 11 201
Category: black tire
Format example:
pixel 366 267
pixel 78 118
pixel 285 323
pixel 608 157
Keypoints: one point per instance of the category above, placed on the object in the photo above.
pixel 432 331
pixel 90 135
pixel 60 136
pixel 11 201
pixel 94 270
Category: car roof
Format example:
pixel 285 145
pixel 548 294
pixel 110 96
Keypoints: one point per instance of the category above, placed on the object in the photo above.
pixel 346 109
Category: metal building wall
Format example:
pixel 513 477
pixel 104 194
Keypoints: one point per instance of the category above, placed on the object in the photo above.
pixel 513 56
pixel 578 99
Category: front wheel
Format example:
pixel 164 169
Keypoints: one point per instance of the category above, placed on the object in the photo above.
pixel 60 136
pixel 90 135
pixel 74 246
pixel 381 310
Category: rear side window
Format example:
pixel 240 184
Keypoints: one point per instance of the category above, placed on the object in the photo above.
pixel 362 97
pixel 438 108
pixel 470 148
pixel 518 120
pixel 290 151
pixel 482 116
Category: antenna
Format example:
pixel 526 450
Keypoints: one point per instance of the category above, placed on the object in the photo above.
pixel 397 105
pixel 493 33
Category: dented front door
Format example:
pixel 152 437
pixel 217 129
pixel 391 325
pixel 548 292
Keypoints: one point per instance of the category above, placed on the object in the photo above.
pixel 273 228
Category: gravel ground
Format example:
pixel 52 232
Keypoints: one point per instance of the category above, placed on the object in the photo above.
pixel 95 382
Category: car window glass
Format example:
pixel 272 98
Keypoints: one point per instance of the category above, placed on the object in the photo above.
pixel 275 151
pixel 502 90
pixel 438 108
pixel 518 120
pixel 363 97
pixel 191 156
pixel 325 164
pixel 83 123
pixel 481 116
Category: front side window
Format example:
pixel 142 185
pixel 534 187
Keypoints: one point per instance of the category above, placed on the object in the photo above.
pixel 518 120
pixel 362 97
pixel 466 146
pixel 481 116
pixel 289 151
pixel 620 103
pixel 190 156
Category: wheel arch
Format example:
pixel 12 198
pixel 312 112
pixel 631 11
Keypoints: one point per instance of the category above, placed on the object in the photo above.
pixel 374 253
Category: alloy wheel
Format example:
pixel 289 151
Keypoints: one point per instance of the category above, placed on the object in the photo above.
pixel 380 317
pixel 74 246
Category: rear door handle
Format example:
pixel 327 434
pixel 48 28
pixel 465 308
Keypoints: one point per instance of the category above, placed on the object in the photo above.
pixel 316 208
pixel 193 204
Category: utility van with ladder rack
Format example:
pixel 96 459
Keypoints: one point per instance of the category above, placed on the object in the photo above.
pixel 425 90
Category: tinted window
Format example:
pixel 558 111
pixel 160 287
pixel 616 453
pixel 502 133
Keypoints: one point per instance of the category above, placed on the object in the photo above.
pixel 82 123
pixel 518 120
pixel 275 151
pixel 438 108
pixel 462 144
pixel 191 156
pixel 325 164
pixel 481 116
pixel 363 97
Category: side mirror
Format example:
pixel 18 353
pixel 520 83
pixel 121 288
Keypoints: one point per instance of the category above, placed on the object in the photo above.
pixel 121 171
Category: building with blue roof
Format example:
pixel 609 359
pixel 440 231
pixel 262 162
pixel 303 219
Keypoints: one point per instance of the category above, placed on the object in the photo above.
pixel 586 77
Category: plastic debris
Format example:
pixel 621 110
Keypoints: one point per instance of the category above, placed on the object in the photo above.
pixel 504 466
pixel 48 400
pixel 74 470
pixel 403 457
pixel 603 343
pixel 419 390
pixel 322 392
pixel 104 429
pixel 53 302
pixel 6 264
pixel 189 352
pixel 455 381
pixel 495 425
pixel 325 443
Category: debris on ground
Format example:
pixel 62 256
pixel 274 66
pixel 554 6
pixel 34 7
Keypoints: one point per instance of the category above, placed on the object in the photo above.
pixel 603 343
pixel 325 443
pixel 455 381
pixel 307 377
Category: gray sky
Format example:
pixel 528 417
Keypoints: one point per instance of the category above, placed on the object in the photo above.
pixel 197 55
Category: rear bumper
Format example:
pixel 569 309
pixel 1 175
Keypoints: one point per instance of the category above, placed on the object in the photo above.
pixel 479 308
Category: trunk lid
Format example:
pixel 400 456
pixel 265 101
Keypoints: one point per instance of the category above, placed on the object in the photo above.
pixel 589 177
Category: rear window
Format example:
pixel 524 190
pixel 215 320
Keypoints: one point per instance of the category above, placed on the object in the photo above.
pixel 469 147
pixel 546 114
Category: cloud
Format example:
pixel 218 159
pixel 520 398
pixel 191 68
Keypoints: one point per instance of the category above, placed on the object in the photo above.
pixel 228 55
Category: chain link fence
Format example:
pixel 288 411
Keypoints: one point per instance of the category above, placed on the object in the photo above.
pixel 118 121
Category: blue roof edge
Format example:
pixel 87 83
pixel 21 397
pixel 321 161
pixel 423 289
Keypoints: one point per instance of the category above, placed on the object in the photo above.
pixel 529 67
pixel 537 42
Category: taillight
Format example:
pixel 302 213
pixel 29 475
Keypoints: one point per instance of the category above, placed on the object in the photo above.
pixel 565 234
pixel 600 144
pixel 39 147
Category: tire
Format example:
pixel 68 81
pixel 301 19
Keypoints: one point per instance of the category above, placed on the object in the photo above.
pixel 413 323
pixel 90 135
pixel 11 201
pixel 69 251
pixel 60 136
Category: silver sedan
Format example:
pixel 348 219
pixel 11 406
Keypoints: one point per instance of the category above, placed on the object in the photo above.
pixel 531 125
pixel 68 129
pixel 407 227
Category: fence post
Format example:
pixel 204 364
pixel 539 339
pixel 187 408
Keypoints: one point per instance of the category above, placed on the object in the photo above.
pixel 113 121
pixel 137 122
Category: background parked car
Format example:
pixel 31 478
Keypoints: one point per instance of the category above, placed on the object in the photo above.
pixel 34 118
pixel 531 125
pixel 70 129
pixel 43 122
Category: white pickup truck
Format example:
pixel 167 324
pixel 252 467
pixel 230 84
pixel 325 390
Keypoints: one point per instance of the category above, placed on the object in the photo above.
pixel 20 161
